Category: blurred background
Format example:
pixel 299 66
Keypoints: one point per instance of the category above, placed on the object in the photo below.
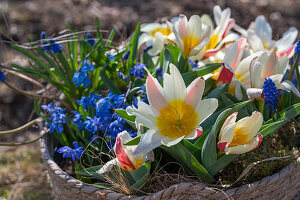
pixel 21 170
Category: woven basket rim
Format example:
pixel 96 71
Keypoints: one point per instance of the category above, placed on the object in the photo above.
pixel 71 181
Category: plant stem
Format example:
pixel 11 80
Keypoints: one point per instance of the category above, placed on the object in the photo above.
pixel 21 128
pixel 261 105
pixel 27 142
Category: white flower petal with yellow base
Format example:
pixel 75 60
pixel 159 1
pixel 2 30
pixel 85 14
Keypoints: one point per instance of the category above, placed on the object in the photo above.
pixel 241 136
pixel 191 36
pixel 178 111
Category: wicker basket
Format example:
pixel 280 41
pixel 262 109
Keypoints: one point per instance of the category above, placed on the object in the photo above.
pixel 282 185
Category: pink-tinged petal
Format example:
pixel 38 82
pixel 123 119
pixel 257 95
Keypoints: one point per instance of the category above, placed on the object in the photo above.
pixel 229 120
pixel 155 94
pixel 122 157
pixel 195 91
pixel 210 53
pixel 254 93
pixel 229 27
pixel 222 146
pixel 198 132
pixel 182 26
pixel 287 39
pixel 269 68
pixel 289 86
pixel 225 75
pixel 259 138
pixel 240 51
pixel 177 37
pixel 255 75
pixel 289 53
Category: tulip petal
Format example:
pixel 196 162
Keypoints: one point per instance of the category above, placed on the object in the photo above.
pixel 197 133
pixel 155 93
pixel 277 78
pixel 222 146
pixel 205 108
pixel 217 14
pixel 149 141
pixel 281 65
pixel 174 86
pixel 263 30
pixel 289 86
pixel 195 91
pixel 227 133
pixel 195 26
pixel 170 142
pixel 122 157
pixel 108 166
pixel 177 37
pixel 182 26
pixel 269 68
pixel 229 120
pixel 144 114
pixel 287 39
pixel 255 74
pixel 226 74
pixel 254 41
pixel 251 145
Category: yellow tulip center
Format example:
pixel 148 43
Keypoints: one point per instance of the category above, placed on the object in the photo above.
pixel 189 43
pixel 231 89
pixel 240 137
pixel 213 42
pixel 163 30
pixel 177 119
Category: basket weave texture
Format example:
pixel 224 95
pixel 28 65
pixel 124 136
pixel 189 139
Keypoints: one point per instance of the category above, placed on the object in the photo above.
pixel 283 185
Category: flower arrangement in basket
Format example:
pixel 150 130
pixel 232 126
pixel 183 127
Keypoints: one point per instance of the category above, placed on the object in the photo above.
pixel 183 91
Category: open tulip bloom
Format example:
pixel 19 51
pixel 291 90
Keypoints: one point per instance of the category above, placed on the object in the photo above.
pixel 241 136
pixel 175 112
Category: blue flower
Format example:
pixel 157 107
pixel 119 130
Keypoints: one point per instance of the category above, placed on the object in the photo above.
pixel 68 152
pixel 90 39
pixel 57 118
pixel 110 57
pixel 297 48
pixel 78 120
pixel 270 93
pixel 148 48
pixel 50 44
pixel 2 76
pixel 122 76
pixel 88 101
pixel 91 124
pixel 81 76
pixel 137 71
pixel 126 55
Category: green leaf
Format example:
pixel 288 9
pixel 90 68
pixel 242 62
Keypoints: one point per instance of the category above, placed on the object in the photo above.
pixel 110 38
pixel 134 141
pixel 221 163
pixel 209 149
pixel 183 156
pixel 129 119
pixel 90 172
pixel 109 83
pixel 209 122
pixel 271 127
pixel 188 77
pixel 133 46
pixel 141 175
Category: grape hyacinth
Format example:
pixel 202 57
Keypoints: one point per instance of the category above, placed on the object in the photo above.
pixel 270 93
pixel 68 152
pixel 297 48
pixel 50 44
pixel 81 76
pixel 2 76
pixel 58 116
